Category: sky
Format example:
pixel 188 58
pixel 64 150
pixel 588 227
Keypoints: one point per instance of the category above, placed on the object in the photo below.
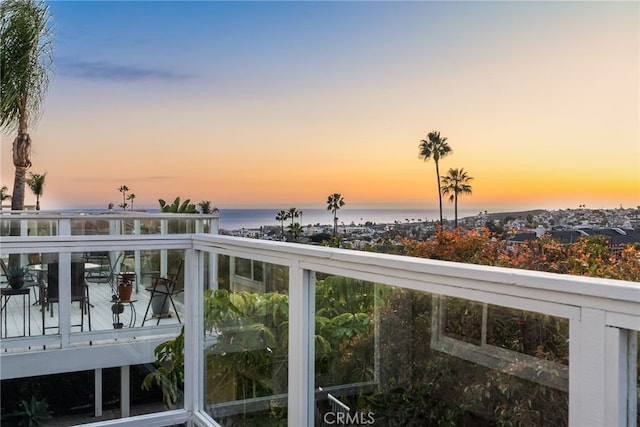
pixel 279 104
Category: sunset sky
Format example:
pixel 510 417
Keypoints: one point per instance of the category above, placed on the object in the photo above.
pixel 279 104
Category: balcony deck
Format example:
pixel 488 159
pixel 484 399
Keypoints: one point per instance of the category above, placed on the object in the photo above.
pixel 101 314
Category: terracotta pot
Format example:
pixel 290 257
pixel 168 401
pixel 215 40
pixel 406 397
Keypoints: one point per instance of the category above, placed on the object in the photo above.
pixel 124 292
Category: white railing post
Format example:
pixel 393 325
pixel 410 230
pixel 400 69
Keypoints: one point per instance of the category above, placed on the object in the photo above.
pixel 193 356
pixel 301 347
pixel 587 367
pixel 64 298
pixel 616 369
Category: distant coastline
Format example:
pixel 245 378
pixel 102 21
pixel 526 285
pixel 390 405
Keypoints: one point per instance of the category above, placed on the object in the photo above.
pixel 235 219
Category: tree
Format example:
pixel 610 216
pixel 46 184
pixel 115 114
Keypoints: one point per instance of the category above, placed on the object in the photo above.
pixel 26 52
pixel 207 208
pixel 334 203
pixel 282 217
pixel 295 230
pixel 3 195
pixel 456 183
pixel 123 189
pixel 435 147
pixel 293 213
pixel 131 196
pixel 36 184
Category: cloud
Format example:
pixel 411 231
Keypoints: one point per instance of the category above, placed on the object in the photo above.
pixel 117 73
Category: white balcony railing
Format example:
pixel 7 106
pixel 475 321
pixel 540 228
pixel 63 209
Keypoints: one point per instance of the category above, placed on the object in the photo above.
pixel 446 311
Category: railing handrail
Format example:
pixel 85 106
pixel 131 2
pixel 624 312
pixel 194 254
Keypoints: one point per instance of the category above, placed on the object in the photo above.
pixel 606 294
pixel 106 215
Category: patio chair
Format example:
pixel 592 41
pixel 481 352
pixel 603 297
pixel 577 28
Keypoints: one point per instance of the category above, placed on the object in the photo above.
pixel 79 292
pixel 165 288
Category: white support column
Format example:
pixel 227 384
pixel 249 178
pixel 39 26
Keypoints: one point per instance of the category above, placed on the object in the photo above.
pixel 193 363
pixel 136 256
pixel 64 298
pixel 164 229
pixel 616 365
pixel 301 347
pixel 587 379
pixel 97 391
pixel 125 394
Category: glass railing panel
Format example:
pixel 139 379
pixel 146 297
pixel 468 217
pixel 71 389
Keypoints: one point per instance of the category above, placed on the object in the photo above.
pixel 414 358
pixel 246 343
pixel 22 285
pixel 90 225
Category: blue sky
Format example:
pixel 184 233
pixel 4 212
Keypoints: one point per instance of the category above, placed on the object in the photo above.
pixel 281 103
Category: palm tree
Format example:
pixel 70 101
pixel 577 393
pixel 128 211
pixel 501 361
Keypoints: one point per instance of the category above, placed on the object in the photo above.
pixel 36 184
pixel 335 202
pixel 26 48
pixel 293 213
pixel 123 189
pixel 3 195
pixel 282 217
pixel 295 231
pixel 456 183
pixel 131 196
pixel 207 208
pixel 435 147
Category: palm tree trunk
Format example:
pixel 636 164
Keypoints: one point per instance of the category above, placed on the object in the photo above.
pixel 455 208
pixel 439 190
pixel 21 161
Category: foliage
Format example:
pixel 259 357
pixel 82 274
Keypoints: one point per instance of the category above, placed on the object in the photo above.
pixel 17 271
pixel 589 256
pixel 26 46
pixel 177 207
pixel 456 183
pixel 335 201
pixel 207 208
pixel 35 412
pixel 169 373
pixel 36 184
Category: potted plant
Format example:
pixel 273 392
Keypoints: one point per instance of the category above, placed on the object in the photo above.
pixel 116 310
pixel 125 286
pixel 16 276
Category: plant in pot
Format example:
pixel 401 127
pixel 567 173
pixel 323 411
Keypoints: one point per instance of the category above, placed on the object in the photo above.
pixel 16 276
pixel 125 286
pixel 116 310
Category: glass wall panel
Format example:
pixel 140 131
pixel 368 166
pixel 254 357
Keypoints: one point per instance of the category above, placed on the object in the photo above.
pixel 246 343
pixel 390 356
pixel 69 398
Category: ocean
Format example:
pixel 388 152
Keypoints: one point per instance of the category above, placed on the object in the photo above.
pixel 236 219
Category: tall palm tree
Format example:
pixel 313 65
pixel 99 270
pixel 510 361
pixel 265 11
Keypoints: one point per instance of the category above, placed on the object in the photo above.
pixel 435 147
pixel 3 195
pixel 26 52
pixel 123 189
pixel 334 203
pixel 131 196
pixel 293 213
pixel 282 217
pixel 36 184
pixel 456 183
